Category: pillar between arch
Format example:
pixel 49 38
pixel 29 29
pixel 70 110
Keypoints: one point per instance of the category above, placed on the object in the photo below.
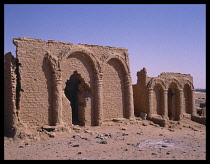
pixel 129 98
pixel 57 98
pixel 181 104
pixel 193 102
pixel 150 100
pixel 99 99
pixel 165 104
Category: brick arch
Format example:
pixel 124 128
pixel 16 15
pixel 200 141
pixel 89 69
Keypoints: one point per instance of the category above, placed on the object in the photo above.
pixel 175 82
pixel 127 82
pixel 173 100
pixel 56 63
pixel 158 99
pixel 75 49
pixel 188 82
pixel 120 60
pixel 78 64
pixel 75 62
pixel 187 98
pixel 154 82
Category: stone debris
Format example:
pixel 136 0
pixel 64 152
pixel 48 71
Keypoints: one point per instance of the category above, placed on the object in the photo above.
pixel 143 115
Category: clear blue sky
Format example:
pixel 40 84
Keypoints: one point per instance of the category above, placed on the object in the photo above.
pixel 161 38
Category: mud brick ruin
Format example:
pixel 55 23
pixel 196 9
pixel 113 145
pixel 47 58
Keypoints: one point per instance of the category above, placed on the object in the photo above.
pixel 170 96
pixel 59 84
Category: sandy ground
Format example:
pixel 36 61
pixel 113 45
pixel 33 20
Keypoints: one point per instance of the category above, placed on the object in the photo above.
pixel 119 140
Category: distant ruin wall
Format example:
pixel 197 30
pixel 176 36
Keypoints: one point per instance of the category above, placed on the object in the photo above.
pixel 170 96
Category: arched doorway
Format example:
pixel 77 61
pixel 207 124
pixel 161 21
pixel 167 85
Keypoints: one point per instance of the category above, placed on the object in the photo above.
pixel 172 101
pixel 158 97
pixel 78 93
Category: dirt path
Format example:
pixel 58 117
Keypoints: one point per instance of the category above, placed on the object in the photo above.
pixel 116 140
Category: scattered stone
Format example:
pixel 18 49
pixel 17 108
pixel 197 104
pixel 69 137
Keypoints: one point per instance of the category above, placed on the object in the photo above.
pixel 108 135
pixel 125 134
pixel 52 135
pixel 164 146
pixel 26 144
pixel 76 136
pixel 84 138
pixel 144 124
pixel 123 128
pixel 143 115
pixel 79 152
pixel 98 136
pixel 48 128
pixel 21 146
pixel 76 145
pixel 153 154
pixel 171 130
pixel 140 133
pixel 103 142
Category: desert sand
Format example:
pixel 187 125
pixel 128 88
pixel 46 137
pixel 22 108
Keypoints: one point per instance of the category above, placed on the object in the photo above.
pixel 115 140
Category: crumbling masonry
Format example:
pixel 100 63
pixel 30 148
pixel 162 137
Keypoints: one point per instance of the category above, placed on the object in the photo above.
pixel 59 84
pixel 62 84
pixel 170 96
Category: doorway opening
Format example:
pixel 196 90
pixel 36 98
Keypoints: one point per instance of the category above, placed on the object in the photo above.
pixel 77 91
pixel 71 92
pixel 170 104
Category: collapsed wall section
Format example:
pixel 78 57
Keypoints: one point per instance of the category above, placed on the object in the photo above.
pixel 9 94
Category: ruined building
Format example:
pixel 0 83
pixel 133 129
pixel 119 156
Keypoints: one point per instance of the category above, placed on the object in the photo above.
pixel 63 84
pixel 58 85
pixel 170 96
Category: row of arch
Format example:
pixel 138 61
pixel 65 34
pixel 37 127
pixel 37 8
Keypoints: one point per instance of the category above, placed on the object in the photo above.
pixel 95 96
pixel 171 99
pixel 167 82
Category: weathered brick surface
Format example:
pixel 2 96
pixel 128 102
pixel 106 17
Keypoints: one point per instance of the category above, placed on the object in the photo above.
pixel 168 96
pixel 114 91
pixel 34 72
pixel 44 69
pixel 9 93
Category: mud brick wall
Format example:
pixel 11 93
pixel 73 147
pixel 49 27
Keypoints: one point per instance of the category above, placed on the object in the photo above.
pixel 45 68
pixel 114 91
pixel 169 96
pixel 9 93
pixel 35 96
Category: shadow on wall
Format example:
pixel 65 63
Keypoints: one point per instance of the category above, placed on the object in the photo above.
pixel 49 80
